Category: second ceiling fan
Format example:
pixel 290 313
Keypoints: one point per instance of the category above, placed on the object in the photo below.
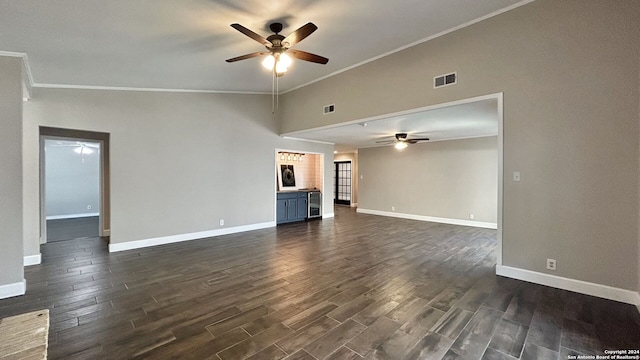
pixel 279 46
pixel 400 142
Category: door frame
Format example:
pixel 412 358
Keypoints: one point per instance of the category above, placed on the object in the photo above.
pixel 275 177
pixel 49 133
pixel 335 185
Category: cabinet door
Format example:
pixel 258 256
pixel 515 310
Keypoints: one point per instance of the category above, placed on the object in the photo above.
pixel 292 209
pixel 281 210
pixel 302 208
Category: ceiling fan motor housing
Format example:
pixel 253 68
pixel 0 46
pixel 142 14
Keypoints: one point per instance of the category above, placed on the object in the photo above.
pixel 275 27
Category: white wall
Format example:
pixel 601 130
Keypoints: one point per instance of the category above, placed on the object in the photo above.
pixel 179 162
pixel 11 270
pixel 72 180
pixel 568 71
pixel 445 179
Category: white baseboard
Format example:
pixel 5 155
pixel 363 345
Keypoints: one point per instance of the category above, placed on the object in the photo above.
pixel 137 244
pixel 14 289
pixel 479 224
pixel 32 260
pixel 71 216
pixel 579 286
pixel 328 216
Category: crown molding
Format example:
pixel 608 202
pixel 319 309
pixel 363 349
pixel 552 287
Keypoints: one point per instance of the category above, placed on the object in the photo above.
pixel 27 76
pixel 125 88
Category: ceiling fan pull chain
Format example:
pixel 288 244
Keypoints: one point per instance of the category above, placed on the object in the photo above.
pixel 273 87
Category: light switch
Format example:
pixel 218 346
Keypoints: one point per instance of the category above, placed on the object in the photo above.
pixel 516 176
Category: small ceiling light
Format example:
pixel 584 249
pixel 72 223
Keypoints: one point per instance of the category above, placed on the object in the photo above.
pixel 289 157
pixel 364 124
pixel 295 157
pixel 400 145
pixel 335 151
pixel 281 156
pixel 300 158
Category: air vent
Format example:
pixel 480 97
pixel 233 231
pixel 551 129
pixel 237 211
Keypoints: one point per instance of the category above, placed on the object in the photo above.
pixel 445 80
pixel 328 109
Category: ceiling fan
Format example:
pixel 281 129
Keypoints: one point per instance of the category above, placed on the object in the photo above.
pixel 80 147
pixel 401 141
pixel 279 46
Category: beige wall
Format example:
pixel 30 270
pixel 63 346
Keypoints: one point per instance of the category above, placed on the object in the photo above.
pixel 11 270
pixel 179 162
pixel 448 179
pixel 570 124
pixel 353 157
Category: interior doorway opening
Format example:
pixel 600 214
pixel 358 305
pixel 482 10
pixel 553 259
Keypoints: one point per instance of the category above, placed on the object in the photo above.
pixel 342 178
pixel 74 184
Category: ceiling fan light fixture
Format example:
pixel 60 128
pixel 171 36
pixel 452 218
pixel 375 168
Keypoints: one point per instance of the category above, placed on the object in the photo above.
pixel 285 60
pixel 269 62
pixel 83 150
pixel 401 145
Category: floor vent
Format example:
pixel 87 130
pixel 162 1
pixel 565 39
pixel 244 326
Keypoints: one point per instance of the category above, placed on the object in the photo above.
pixel 328 109
pixel 445 80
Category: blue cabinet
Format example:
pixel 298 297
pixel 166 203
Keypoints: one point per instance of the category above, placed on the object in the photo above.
pixel 291 206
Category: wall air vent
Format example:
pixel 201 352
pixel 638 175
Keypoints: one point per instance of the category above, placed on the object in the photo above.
pixel 445 80
pixel 328 109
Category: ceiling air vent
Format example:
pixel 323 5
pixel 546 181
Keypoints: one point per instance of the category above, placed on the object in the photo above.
pixel 445 80
pixel 328 109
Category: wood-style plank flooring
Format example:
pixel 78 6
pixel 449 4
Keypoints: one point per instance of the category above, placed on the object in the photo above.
pixel 356 286
pixel 75 228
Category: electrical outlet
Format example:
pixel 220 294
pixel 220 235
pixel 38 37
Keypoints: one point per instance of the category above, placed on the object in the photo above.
pixel 393 208
pixel 471 216
pixel 88 207
pixel 551 264
pixel 221 222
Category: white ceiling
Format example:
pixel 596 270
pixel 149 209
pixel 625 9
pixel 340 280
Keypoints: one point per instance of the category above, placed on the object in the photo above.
pixel 182 44
pixel 461 121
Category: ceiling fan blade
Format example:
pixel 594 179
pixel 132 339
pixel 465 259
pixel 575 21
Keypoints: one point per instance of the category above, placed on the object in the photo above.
pixel 251 34
pixel 413 141
pixel 247 56
pixel 420 139
pixel 298 35
pixel 385 142
pixel 306 56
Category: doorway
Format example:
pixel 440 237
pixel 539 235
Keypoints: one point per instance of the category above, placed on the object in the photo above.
pixel 74 184
pixel 72 188
pixel 342 182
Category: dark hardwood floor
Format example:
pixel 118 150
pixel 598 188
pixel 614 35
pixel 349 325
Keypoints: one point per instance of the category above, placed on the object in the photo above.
pixel 68 229
pixel 357 286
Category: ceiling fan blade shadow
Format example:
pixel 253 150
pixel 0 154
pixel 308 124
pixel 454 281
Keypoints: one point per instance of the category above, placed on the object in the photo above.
pixel 251 34
pixel 385 142
pixel 247 56
pixel 307 56
pixel 298 35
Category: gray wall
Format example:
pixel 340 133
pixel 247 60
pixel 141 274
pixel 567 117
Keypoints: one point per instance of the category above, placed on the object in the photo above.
pixel 180 162
pixel 448 179
pixel 11 270
pixel 568 71
pixel 71 183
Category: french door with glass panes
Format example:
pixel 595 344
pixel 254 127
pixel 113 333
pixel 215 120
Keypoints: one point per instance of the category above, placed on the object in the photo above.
pixel 342 182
